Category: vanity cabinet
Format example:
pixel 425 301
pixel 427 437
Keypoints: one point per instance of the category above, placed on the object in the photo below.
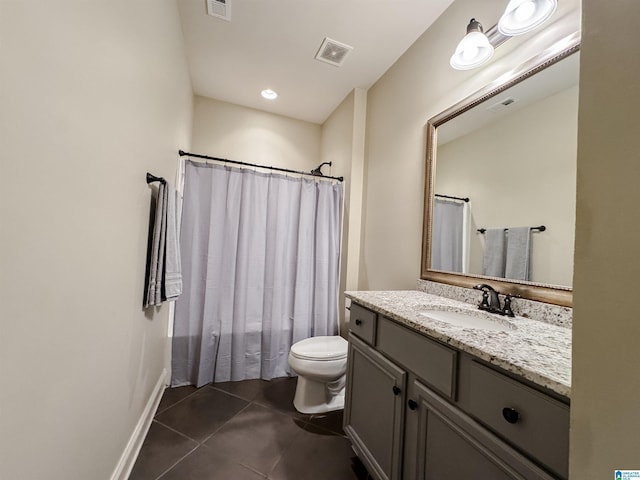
pixel 374 409
pixel 418 409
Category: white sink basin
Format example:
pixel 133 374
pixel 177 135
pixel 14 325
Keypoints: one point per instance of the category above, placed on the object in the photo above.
pixel 468 320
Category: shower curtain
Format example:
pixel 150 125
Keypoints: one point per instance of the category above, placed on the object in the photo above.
pixel 450 236
pixel 260 255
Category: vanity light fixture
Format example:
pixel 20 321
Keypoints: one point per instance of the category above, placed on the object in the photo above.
pixel 522 16
pixel 473 50
pixel 269 94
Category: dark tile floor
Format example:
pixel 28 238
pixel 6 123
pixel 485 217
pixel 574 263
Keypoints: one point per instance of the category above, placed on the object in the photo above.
pixel 244 431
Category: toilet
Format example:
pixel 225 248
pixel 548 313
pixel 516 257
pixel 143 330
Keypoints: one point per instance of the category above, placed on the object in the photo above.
pixel 321 365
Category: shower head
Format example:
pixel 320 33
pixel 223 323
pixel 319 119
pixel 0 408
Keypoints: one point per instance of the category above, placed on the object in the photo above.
pixel 318 170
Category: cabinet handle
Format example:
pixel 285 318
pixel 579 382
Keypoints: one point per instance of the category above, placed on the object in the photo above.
pixel 358 321
pixel 396 390
pixel 412 404
pixel 511 415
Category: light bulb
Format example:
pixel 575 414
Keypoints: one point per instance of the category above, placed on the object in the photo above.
pixel 522 16
pixel 473 50
pixel 525 11
pixel 470 53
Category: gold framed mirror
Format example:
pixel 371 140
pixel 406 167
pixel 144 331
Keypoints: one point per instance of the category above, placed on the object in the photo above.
pixel 466 139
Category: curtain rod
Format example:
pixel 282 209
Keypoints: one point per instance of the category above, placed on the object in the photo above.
pixel 235 162
pixel 541 228
pixel 465 199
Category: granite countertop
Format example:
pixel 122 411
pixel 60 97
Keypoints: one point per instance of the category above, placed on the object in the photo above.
pixel 535 350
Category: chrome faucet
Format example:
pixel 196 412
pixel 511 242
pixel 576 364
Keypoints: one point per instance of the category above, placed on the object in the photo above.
pixel 491 301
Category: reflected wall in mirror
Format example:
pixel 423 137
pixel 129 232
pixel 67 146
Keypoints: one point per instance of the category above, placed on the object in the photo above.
pixel 511 150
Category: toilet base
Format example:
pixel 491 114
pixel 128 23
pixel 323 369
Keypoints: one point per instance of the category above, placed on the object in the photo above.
pixel 314 397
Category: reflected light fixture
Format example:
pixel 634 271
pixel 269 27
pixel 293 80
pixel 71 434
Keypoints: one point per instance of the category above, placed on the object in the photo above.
pixel 269 94
pixel 522 16
pixel 473 50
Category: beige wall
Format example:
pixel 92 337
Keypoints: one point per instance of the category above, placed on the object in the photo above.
pixel 93 95
pixel 605 411
pixel 521 170
pixel 231 131
pixel 226 130
pixel 420 85
pixel 336 147
pixel 343 145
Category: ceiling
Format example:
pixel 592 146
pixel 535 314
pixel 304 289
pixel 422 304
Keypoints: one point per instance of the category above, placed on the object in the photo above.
pixel 550 81
pixel 272 44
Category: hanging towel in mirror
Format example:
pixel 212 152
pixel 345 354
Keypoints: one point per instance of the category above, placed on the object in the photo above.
pixel 518 253
pixel 493 262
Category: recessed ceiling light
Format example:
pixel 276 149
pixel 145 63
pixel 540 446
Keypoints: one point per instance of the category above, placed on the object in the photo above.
pixel 269 94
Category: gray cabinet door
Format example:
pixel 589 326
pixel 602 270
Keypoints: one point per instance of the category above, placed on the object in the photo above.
pixel 374 410
pixel 451 445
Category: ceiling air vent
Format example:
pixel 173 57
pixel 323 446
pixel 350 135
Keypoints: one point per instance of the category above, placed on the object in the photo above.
pixel 502 104
pixel 220 9
pixel 333 52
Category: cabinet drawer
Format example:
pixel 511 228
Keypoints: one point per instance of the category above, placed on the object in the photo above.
pixel 363 323
pixel 531 420
pixel 451 445
pixel 431 361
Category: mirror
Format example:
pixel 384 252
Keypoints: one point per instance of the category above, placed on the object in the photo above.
pixel 501 178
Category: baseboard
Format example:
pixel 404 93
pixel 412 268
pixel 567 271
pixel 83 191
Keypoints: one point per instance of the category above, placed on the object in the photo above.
pixel 130 454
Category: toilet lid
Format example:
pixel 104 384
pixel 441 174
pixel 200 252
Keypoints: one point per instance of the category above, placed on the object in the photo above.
pixel 320 348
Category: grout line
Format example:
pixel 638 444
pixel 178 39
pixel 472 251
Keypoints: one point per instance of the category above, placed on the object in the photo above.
pixel 180 460
pixel 210 385
pixel 176 403
pixel 215 431
pixel 304 421
pixel 227 421
pixel 182 434
pixel 284 452
pixel 258 472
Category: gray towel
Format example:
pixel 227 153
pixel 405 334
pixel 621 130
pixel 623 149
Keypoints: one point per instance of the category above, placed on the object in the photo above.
pixel 165 277
pixel 518 253
pixel 172 274
pixel 161 248
pixel 150 298
pixel 493 262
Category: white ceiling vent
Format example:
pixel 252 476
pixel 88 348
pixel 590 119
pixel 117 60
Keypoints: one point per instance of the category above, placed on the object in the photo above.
pixel 220 9
pixel 333 52
pixel 502 104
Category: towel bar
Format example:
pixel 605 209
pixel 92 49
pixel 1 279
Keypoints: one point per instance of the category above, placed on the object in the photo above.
pixel 153 178
pixel 541 228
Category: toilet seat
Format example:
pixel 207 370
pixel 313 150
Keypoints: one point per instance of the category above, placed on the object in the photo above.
pixel 320 348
